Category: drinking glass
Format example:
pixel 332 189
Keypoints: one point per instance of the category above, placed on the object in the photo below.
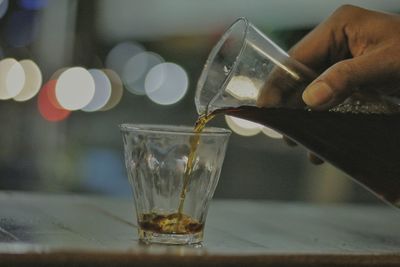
pixel 156 158
pixel 245 67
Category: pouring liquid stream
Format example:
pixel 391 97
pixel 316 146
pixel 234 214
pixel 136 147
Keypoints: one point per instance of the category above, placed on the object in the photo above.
pixel 200 124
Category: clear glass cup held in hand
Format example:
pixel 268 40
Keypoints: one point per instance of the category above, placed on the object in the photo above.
pixel 156 158
pixel 245 68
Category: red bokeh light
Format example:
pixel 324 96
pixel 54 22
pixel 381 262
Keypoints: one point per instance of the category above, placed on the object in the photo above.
pixel 48 105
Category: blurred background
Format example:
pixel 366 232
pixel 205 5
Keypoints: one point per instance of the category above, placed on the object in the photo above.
pixel 72 70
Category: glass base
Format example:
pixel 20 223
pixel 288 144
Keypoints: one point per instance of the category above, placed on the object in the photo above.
pixel 171 239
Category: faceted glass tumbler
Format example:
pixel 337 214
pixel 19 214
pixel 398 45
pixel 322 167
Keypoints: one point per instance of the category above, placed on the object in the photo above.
pixel 156 158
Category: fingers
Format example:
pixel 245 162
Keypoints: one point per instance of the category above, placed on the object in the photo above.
pixel 361 48
pixel 338 37
pixel 380 66
pixel 315 51
pixel 285 84
pixel 353 49
pixel 331 87
pixel 325 45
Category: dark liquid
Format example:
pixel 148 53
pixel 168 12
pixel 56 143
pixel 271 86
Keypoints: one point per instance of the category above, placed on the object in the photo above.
pixel 178 223
pixel 175 223
pixel 365 146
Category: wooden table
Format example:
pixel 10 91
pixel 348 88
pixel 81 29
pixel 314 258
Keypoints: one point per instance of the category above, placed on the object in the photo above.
pixel 71 230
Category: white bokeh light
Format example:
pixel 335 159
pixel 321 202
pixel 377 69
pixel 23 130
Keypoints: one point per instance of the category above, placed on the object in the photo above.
pixel 116 89
pixel 166 83
pixel 102 91
pixel 12 78
pixel 75 88
pixel 242 88
pixel 271 133
pixel 33 80
pixel 243 127
pixel 136 69
pixel 120 54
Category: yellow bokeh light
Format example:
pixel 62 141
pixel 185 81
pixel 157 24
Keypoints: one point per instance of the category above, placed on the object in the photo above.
pixel 33 80
pixel 12 78
pixel 116 89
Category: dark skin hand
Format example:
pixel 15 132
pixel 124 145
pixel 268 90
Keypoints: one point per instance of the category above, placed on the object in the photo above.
pixel 353 49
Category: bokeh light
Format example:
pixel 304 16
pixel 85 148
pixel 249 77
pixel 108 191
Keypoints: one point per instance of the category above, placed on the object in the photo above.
pixel 135 71
pixel 271 133
pixel 242 88
pixel 33 4
pixel 21 28
pixel 166 83
pixel 102 91
pixel 46 108
pixel 243 127
pixel 3 7
pixel 33 80
pixel 120 54
pixel 116 89
pixel 57 73
pixel 12 78
pixel 75 88
pixel 51 95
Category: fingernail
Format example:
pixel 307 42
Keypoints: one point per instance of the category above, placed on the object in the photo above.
pixel 317 94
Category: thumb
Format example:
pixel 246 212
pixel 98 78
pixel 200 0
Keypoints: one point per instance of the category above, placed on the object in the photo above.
pixel 335 84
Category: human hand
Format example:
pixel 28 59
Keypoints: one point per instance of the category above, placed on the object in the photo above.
pixel 354 49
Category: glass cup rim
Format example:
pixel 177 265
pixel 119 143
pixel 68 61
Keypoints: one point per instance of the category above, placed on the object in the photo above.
pixel 215 50
pixel 172 129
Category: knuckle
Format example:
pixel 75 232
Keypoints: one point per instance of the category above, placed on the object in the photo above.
pixel 343 16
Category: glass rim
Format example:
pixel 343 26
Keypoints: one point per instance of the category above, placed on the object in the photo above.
pixel 242 45
pixel 214 52
pixel 172 129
